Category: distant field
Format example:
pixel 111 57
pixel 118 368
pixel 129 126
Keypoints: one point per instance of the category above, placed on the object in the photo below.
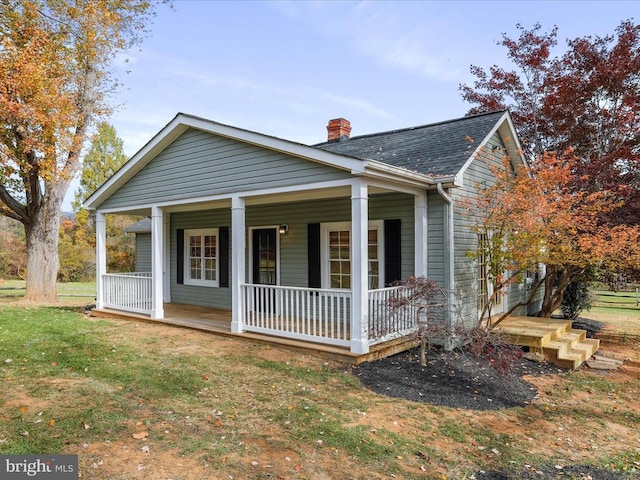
pixel 13 289
pixel 625 299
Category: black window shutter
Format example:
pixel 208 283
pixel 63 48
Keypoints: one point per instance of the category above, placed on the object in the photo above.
pixel 223 234
pixel 313 255
pixel 180 256
pixel 392 251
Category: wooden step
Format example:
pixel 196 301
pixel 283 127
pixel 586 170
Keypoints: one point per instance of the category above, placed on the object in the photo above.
pixel 556 340
pixel 532 331
pixel 571 350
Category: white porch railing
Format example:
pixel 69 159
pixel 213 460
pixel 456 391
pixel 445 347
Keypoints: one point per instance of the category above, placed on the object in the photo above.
pixel 388 317
pixel 310 314
pixel 127 291
pixel 323 315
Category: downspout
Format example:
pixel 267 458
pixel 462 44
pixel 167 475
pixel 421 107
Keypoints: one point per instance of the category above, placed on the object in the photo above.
pixel 449 245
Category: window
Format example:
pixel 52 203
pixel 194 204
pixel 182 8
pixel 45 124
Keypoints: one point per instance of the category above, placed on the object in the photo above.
pixel 339 259
pixel 483 274
pixel 336 254
pixel 201 257
pixel 486 281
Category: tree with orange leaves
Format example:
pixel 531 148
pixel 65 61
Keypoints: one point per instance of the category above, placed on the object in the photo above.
pixel 533 217
pixel 54 79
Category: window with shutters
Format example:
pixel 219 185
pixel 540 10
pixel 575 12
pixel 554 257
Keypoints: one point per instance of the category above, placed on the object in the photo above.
pixel 201 257
pixel 336 254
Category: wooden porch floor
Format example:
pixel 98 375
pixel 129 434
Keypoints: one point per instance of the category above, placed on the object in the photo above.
pixel 555 339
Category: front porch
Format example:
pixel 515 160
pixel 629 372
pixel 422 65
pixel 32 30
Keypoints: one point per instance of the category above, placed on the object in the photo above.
pixel 218 322
pixel 308 315
pixel 554 339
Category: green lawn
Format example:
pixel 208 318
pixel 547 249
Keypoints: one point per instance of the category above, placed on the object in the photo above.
pixel 629 299
pixel 12 289
pixel 139 400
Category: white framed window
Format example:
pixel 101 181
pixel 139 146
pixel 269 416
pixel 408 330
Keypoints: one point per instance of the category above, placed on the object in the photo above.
pixel 201 257
pixel 335 250
pixel 488 289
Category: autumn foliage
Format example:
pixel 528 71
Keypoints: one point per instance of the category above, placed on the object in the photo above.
pixel 585 100
pixel 535 216
pixel 55 61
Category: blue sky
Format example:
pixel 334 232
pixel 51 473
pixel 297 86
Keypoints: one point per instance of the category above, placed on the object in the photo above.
pixel 285 68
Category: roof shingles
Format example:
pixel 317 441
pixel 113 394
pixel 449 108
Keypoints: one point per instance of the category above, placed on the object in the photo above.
pixel 439 149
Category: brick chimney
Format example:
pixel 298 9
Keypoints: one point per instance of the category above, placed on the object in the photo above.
pixel 338 130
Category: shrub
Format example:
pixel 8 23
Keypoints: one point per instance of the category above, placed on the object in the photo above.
pixel 576 298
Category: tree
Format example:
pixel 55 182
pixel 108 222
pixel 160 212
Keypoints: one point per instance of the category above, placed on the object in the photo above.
pixel 77 254
pixel 535 216
pixel 580 108
pixel 427 302
pixel 576 298
pixel 13 256
pixel 54 79
pixel 104 158
pixel 424 299
pixel 584 101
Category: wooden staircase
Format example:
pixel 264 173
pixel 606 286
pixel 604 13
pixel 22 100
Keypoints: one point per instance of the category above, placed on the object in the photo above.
pixel 554 339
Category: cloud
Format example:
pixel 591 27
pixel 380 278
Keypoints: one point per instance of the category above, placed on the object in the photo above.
pixel 212 82
pixel 407 35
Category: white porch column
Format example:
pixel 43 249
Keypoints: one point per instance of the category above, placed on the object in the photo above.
pixel 238 254
pixel 101 257
pixel 359 267
pixel 166 256
pixel 420 221
pixel 157 263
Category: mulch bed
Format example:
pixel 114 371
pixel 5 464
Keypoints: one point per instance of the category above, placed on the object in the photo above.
pixel 456 379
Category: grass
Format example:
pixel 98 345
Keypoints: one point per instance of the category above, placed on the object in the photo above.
pixel 84 386
pixel 14 289
pixel 63 371
pixel 629 299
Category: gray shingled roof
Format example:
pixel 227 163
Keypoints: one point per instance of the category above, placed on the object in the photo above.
pixel 439 149
pixel 143 226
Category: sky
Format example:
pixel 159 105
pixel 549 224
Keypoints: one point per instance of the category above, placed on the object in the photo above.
pixel 285 68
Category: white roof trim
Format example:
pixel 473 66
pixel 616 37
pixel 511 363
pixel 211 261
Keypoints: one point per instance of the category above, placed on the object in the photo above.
pixel 514 148
pixel 181 122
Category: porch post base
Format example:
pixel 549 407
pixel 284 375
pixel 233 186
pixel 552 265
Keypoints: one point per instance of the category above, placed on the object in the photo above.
pixel 236 327
pixel 359 346
pixel 157 314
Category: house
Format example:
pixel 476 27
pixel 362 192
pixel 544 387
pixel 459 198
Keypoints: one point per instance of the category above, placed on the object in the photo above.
pixel 302 241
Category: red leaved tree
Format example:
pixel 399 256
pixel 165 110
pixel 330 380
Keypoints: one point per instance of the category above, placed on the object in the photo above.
pixel 585 100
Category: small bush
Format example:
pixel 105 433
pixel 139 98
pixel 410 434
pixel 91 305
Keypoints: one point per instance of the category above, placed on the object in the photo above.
pixel 576 298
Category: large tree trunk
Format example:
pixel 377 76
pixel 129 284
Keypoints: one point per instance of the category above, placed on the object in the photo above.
pixel 42 230
pixel 556 283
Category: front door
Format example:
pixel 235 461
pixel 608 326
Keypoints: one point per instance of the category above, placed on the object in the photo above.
pixel 265 256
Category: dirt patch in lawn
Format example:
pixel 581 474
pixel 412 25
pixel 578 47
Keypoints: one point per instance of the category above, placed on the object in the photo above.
pixel 453 419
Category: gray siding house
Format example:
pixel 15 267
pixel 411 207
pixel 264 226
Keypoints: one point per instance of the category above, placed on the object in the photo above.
pixel 302 241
